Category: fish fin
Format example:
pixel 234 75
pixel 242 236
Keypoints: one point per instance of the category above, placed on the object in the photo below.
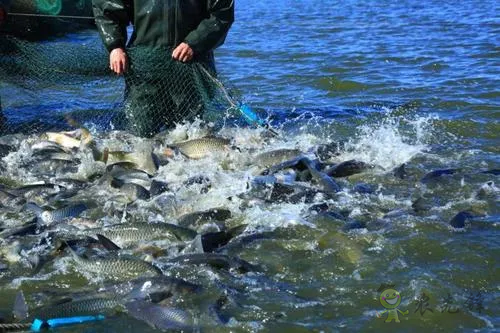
pixel 20 309
pixel 107 243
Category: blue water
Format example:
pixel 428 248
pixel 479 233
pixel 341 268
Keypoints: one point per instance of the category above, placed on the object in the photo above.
pixel 400 81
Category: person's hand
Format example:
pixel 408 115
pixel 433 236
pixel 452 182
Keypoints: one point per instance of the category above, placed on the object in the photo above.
pixel 118 61
pixel 183 53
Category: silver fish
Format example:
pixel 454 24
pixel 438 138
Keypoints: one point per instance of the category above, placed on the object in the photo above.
pixel 133 232
pixel 273 157
pixel 202 147
pixel 84 307
pixel 160 317
pixel 116 267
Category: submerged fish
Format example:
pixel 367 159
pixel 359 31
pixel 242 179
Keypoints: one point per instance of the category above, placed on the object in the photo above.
pixel 459 220
pixel 433 175
pixel 215 260
pixel 202 147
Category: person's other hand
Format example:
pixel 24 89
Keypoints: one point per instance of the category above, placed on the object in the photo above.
pixel 118 61
pixel 183 53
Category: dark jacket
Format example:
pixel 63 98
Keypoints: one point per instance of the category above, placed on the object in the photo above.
pixel 202 24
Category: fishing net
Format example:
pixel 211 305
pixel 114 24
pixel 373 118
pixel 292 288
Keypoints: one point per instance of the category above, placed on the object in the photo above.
pixel 45 83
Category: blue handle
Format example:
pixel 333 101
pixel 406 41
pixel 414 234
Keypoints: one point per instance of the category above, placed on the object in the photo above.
pixel 250 115
pixel 38 324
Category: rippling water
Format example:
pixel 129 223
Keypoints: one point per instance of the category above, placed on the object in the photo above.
pixel 399 82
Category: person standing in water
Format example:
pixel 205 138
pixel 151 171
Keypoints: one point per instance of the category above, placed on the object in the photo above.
pixel 167 35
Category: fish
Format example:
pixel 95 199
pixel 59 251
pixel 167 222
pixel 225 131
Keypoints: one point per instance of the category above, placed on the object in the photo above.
pixel 219 261
pixel 48 216
pixel 69 139
pixel 211 241
pixel 420 205
pixel 363 188
pixel 201 147
pixel 157 187
pixel 132 191
pixel 495 172
pixel 125 233
pixel 273 157
pixel 459 220
pixel 159 316
pixel 116 267
pixel 83 307
pixel 433 175
pixel 142 159
pixel 196 219
pixel 143 287
pixel 400 171
pixel 348 168
pixel 326 183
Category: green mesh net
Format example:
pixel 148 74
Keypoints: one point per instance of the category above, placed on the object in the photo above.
pixel 42 84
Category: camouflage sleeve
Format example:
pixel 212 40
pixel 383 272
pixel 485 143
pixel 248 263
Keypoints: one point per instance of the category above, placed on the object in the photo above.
pixel 212 31
pixel 112 18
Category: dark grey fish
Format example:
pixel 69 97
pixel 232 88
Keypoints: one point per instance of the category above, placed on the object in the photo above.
pixel 421 205
pixel 459 220
pixel 433 175
pixel 495 172
pixel 348 168
pixel 157 187
pixel 400 172
pixel 325 182
pixel 219 261
pixel 297 164
pixel 363 188
pixel 352 225
pixel 213 240
pixel 160 317
pixel 198 218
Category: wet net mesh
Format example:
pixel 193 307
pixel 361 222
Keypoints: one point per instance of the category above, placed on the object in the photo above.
pixel 45 83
